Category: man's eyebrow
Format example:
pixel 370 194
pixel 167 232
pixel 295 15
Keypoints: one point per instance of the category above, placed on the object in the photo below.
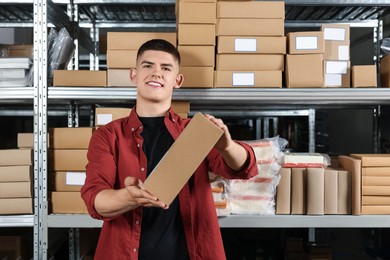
pixel 151 63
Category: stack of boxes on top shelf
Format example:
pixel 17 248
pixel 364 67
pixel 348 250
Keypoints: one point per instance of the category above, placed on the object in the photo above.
pixel 250 43
pixel 196 41
pixel 16 177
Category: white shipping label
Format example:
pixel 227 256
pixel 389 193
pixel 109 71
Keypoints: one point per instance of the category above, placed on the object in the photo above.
pixel 333 80
pixel 243 79
pixel 75 178
pixel 336 67
pixel 241 44
pixel 306 43
pixel 343 52
pixel 334 34
pixel 103 119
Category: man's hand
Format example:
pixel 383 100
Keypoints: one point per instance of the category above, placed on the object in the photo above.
pixel 226 140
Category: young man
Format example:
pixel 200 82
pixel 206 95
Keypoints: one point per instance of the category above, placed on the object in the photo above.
pixel 124 152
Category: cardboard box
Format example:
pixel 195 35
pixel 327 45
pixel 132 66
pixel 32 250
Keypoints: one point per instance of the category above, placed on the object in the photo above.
pixel 67 181
pixel 17 50
pixel 79 78
pixel 251 9
pixel 299 67
pixel 250 62
pixel 183 158
pixel 364 76
pixel 283 192
pixel 134 40
pixel 196 34
pixel 16 190
pixel 305 42
pixel 376 171
pixel 9 157
pixel 121 59
pixel 331 191
pixel 344 192
pixel 67 203
pixel 119 78
pixel 181 107
pixel 198 77
pixel 336 51
pixel 384 70
pixel 375 180
pixel 68 160
pixel 16 206
pixel 298 191
pixel 315 191
pixel 354 167
pixel 337 74
pixel 375 190
pixel 197 56
pixel 374 160
pixel 16 173
pixel 257 79
pixel 375 200
pixel 25 140
pixel 104 115
pixel 250 27
pixel 197 13
pixel 336 32
pixel 375 210
pixel 70 137
pixel 254 44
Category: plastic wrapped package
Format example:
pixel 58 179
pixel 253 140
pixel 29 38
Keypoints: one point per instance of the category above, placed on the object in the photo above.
pixel 252 205
pixel 219 190
pixel 305 160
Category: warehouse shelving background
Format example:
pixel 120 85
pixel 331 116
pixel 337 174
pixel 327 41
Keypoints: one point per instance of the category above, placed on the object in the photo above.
pixel 87 20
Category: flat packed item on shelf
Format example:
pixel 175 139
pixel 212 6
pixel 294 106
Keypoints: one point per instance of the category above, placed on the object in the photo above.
pixel 16 206
pixel 16 83
pixel 25 140
pixel 364 76
pixel 16 189
pixel 315 191
pixel 283 192
pixel 16 51
pixel 331 191
pixel 9 157
pixel 219 191
pixel 59 137
pixel 305 160
pixel 354 166
pixel 20 173
pixel 15 63
pixel 298 191
pixel 67 203
pixel 13 73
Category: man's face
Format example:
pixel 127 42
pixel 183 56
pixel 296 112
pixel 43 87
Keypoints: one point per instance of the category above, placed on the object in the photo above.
pixel 156 75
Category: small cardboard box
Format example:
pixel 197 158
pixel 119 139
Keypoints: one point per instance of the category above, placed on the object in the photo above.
pixel 79 78
pixel 10 157
pixel 16 190
pixel 283 193
pixel 70 137
pixel 304 71
pixel 385 71
pixel 331 191
pixel 364 76
pixel 16 173
pixel 298 191
pixel 121 59
pixel 336 32
pixel 16 206
pixel 315 191
pixel 197 13
pixel 67 203
pixel 18 51
pixel 67 181
pixel 344 192
pixel 183 158
pixel 134 40
pixel 376 171
pixel 256 79
pixel 198 77
pixel 336 51
pixel 197 56
pixel 119 78
pixel 250 62
pixel 305 42
pixel 337 74
pixel 104 115
pixel 25 140
pixel 251 9
pixel 68 159
pixel 196 34
pixel 247 44
pixel 354 167
pixel 250 27
pixel 373 160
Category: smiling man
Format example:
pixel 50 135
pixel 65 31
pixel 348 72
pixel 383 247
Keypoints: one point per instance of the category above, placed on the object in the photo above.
pixel 124 152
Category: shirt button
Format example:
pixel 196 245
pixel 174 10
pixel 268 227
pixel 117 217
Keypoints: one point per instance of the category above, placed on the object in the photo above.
pixel 134 250
pixel 174 120
pixel 138 145
pixel 142 169
pixel 132 129
pixel 137 222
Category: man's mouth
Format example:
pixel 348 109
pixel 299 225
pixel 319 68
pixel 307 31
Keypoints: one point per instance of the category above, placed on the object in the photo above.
pixel 155 84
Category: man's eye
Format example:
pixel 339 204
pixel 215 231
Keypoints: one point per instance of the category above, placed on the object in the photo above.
pixel 167 69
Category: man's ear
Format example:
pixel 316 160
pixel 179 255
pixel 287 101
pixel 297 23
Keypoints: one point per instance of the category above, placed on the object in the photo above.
pixel 133 75
pixel 179 80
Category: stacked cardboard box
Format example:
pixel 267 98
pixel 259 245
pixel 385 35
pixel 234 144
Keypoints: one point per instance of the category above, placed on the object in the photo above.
pixel 122 50
pixel 67 161
pixel 364 76
pixel 250 43
pixel 79 78
pixel 16 177
pixel 196 41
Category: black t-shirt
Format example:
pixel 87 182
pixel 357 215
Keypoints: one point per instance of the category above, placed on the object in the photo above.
pixel 162 233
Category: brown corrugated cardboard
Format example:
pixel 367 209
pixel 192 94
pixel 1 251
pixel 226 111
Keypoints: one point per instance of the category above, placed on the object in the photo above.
pixel 181 107
pixel 331 191
pixel 10 157
pixel 315 191
pixel 376 181
pixel 251 62
pixel 16 206
pixel 250 27
pixel 336 32
pixel 197 13
pixel 283 193
pixel 70 137
pixel 119 78
pixel 376 200
pixel 183 158
pixel 259 79
pixel 364 76
pixel 254 44
pixel 16 173
pixel 376 171
pixel 305 42
pixel 373 159
pixel 133 40
pixel 299 67
pixel 104 115
pixel 337 74
pixel 121 59
pixel 79 78
pixel 68 160
pixel 375 210
pixel 25 140
pixel 385 71
pixel 197 56
pixel 251 9
pixel 336 51
pixel 198 77
pixel 17 50
pixel 67 202
pixel 67 181
pixel 344 192
pixel 375 190
pixel 15 189
pixel 298 191
pixel 354 167
pixel 196 34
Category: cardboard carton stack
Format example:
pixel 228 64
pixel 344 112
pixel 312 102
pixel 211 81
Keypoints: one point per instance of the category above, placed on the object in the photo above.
pixel 122 50
pixel 196 41
pixel 250 44
pixel 67 160
pixel 16 178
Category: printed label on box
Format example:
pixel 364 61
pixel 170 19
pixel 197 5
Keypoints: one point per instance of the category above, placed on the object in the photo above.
pixel 75 178
pixel 333 79
pixel 103 119
pixel 306 43
pixel 343 52
pixel 334 34
pixel 245 44
pixel 336 67
pixel 243 79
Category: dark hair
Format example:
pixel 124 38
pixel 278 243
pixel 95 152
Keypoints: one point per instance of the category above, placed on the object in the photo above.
pixel 159 45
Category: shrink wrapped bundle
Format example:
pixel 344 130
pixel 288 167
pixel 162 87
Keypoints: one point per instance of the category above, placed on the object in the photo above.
pixel 219 190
